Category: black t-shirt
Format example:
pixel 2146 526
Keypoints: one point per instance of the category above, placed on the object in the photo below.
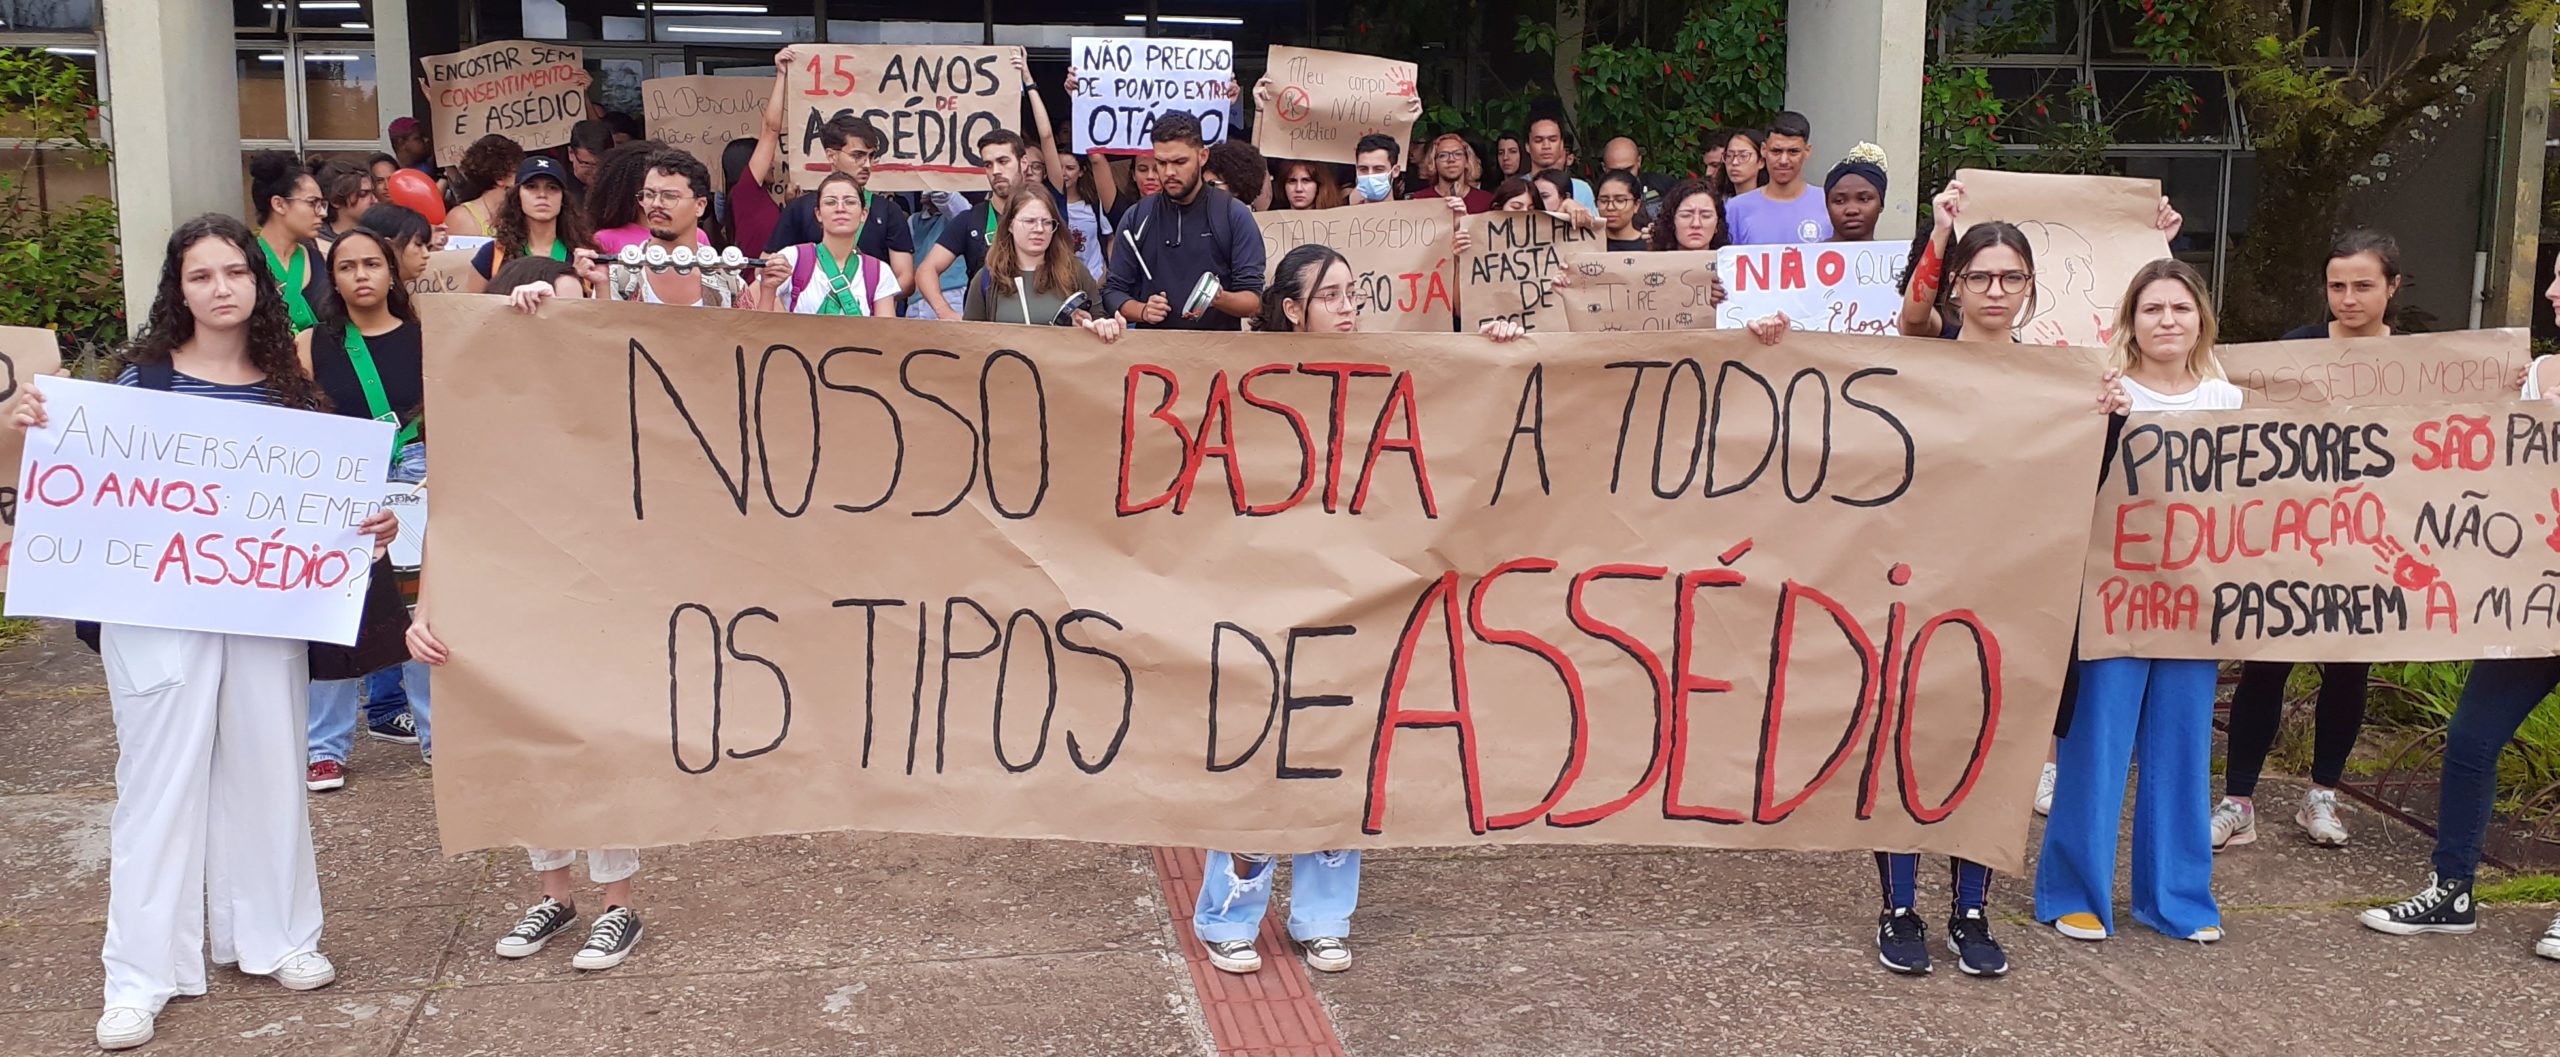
pixel 884 227
pixel 2307 330
pixel 1629 245
pixel 397 357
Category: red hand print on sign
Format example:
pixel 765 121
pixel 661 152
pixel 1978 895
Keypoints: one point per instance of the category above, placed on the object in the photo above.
pixel 2405 569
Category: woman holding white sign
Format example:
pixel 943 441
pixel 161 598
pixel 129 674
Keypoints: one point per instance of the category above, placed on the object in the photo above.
pixel 368 358
pixel 2140 713
pixel 210 832
pixel 1310 293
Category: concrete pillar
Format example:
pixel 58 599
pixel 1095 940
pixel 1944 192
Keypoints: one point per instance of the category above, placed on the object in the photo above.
pixel 2510 297
pixel 174 104
pixel 1853 69
pixel 393 64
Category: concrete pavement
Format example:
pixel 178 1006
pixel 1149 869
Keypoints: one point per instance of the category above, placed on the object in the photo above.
pixel 899 945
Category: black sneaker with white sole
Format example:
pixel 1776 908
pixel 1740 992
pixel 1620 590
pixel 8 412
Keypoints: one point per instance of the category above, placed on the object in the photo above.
pixel 401 728
pixel 1969 938
pixel 609 940
pixel 541 921
pixel 2444 905
pixel 1234 956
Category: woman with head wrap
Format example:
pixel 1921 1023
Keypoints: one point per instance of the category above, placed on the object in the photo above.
pixel 1854 192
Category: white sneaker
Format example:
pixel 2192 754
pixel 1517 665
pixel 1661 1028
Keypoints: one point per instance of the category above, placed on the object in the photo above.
pixel 2319 818
pixel 1327 954
pixel 123 1028
pixel 1234 956
pixel 2549 947
pixel 308 971
pixel 2044 791
pixel 2207 934
pixel 2235 822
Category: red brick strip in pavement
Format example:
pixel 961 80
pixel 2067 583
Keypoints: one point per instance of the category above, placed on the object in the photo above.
pixel 1272 1013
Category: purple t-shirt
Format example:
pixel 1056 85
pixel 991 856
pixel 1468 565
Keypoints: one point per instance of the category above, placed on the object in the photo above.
pixel 1755 219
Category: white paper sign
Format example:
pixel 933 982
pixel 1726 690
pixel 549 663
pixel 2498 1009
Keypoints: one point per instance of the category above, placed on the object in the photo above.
pixel 1840 287
pixel 1124 83
pixel 173 511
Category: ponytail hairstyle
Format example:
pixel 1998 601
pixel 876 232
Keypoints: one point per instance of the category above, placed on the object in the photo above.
pixel 172 324
pixel 2123 349
pixel 1291 281
pixel 273 174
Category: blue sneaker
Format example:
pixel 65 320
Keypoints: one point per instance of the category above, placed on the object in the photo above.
pixel 1902 942
pixel 1969 936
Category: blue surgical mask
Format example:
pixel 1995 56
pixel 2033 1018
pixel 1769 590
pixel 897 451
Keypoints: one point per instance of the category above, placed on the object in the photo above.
pixel 1374 187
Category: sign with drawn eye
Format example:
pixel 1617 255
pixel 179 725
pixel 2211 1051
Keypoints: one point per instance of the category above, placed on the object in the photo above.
pixel 1641 291
pixel 2087 236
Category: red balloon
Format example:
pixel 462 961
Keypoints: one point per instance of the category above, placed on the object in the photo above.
pixel 417 190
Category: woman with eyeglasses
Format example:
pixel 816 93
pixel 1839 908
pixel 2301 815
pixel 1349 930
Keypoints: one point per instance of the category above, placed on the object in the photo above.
pixel 1994 277
pixel 1619 196
pixel 290 212
pixel 1743 169
pixel 1033 278
pixel 1310 292
pixel 830 277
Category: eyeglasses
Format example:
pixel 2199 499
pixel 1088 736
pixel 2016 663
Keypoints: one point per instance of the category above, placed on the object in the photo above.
pixel 2010 282
pixel 840 202
pixel 1038 223
pixel 1451 155
pixel 1615 201
pixel 651 198
pixel 1695 216
pixel 1336 296
pixel 314 201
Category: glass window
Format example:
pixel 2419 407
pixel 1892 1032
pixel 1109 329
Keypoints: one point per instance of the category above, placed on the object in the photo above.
pixel 48 16
pixel 561 20
pixel 350 15
pixel 2193 183
pixel 338 95
pixel 257 14
pixel 733 22
pixel 618 82
pixel 13 124
pixel 2165 106
pixel 265 112
pixel 2012 27
pixel 57 177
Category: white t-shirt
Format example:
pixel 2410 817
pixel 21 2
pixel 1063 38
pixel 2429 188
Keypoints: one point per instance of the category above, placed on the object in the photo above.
pixel 2533 380
pixel 2212 394
pixel 1090 230
pixel 806 302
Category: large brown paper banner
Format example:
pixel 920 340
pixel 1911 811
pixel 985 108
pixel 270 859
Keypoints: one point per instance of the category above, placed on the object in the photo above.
pixel 25 352
pixel 2089 233
pixel 2416 532
pixel 528 92
pixel 1319 103
pixel 700 114
pixel 447 272
pixel 1401 251
pixel 2461 366
pixel 1640 291
pixel 933 102
pixel 1260 591
pixel 1511 271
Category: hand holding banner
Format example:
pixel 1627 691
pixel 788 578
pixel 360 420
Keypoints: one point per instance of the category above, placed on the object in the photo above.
pixel 932 101
pixel 1124 83
pixel 1316 105
pixel 2089 233
pixel 172 511
pixel 1640 291
pixel 528 92
pixel 25 352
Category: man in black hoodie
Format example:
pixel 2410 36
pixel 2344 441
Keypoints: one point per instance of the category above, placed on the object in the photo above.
pixel 1183 233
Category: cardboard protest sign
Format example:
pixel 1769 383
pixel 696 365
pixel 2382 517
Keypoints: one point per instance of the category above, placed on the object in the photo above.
pixel 2089 233
pixel 1400 250
pixel 1124 83
pixel 530 93
pixel 171 511
pixel 700 114
pixel 1316 104
pixel 1639 291
pixel 448 271
pixel 1835 287
pixel 1510 272
pixel 1388 590
pixel 2415 532
pixel 2459 366
pixel 25 352
pixel 932 101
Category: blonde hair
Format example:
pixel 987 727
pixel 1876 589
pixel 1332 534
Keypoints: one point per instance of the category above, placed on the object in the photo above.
pixel 2122 350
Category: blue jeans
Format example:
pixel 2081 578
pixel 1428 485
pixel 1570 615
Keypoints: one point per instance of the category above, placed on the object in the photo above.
pixel 384 697
pixel 334 711
pixel 2495 701
pixel 2156 717
pixel 1324 889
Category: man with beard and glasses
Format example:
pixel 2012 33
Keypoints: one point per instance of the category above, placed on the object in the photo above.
pixel 673 197
pixel 1190 257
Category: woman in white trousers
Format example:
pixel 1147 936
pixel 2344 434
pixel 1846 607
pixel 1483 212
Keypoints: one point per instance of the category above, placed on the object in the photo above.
pixel 209 833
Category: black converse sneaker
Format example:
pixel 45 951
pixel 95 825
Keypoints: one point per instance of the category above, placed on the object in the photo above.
pixel 541 921
pixel 610 940
pixel 2444 905
pixel 1234 956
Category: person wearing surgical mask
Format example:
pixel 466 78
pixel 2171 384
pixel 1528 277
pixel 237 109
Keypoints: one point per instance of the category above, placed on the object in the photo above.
pixel 1375 169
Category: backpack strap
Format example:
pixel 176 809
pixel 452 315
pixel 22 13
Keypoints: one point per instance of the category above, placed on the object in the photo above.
pixel 804 265
pixel 870 281
pixel 160 376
